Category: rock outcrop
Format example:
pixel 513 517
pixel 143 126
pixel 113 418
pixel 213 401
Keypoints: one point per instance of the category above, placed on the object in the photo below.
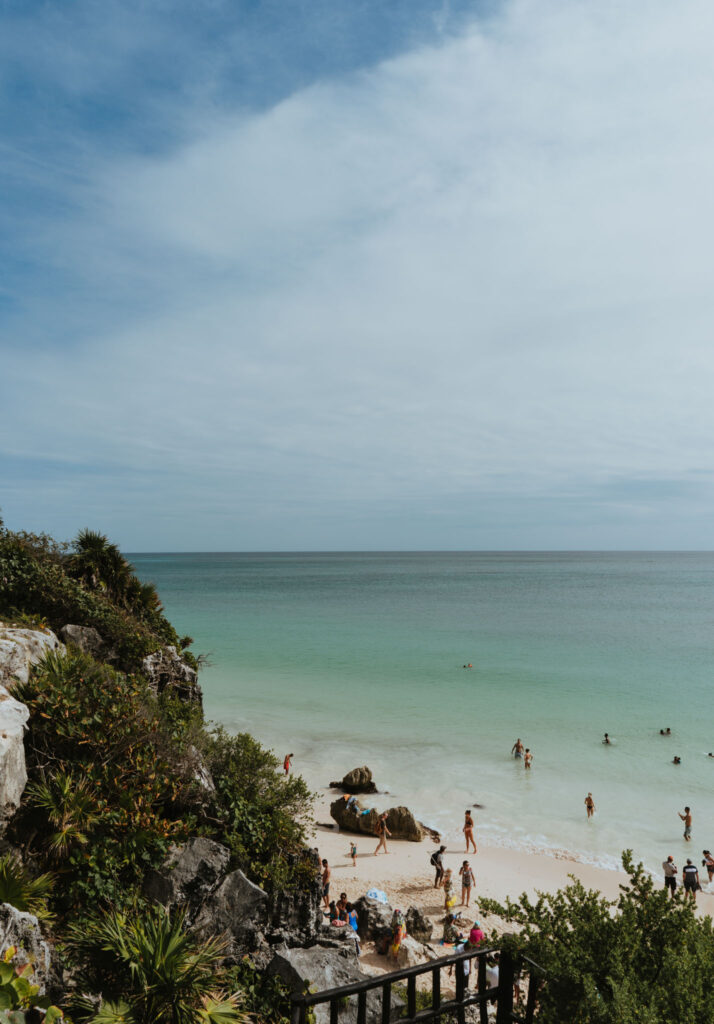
pixel 189 875
pixel 239 908
pixel 23 931
pixel 411 952
pixel 20 649
pixel 88 640
pixel 317 968
pixel 166 668
pixel 13 773
pixel 374 919
pixel 418 925
pixel 359 780
pixel 352 817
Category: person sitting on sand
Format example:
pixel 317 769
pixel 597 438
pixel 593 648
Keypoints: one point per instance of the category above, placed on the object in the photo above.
pixel 590 805
pixel 451 932
pixel 476 936
pixel 469 831
pixel 342 906
pixel 354 925
pixel 467 880
pixel 517 749
pixel 382 831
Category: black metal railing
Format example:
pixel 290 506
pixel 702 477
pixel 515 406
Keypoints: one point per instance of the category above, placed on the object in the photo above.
pixel 510 972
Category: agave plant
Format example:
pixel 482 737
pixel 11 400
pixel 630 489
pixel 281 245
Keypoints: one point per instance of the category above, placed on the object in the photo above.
pixel 151 970
pixel 22 891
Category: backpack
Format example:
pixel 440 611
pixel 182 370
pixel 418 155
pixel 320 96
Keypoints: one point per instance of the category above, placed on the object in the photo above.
pixel 433 861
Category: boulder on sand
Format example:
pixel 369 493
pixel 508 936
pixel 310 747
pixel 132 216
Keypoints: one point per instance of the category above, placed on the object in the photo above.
pixel 359 780
pixel 400 821
pixel 374 919
pixel 418 925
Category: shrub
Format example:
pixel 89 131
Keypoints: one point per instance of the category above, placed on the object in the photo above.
pixel 641 958
pixel 23 891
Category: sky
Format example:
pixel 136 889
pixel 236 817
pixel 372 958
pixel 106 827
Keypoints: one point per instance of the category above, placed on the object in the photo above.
pixel 347 274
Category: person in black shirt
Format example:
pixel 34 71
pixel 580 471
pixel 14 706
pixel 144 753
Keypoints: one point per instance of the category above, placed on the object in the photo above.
pixel 690 877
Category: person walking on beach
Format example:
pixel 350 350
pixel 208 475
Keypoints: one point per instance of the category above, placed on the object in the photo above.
pixel 690 878
pixel 382 831
pixel 326 883
pixel 469 831
pixel 467 880
pixel 517 749
pixel 687 819
pixel 437 862
pixel 708 863
pixel 527 759
pixel 590 805
pixel 670 875
pixel 287 763
pixel 353 853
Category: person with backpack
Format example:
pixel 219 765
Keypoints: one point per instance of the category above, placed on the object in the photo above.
pixel 437 862
pixel 382 831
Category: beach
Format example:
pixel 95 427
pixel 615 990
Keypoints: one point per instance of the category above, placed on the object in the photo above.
pixel 407 878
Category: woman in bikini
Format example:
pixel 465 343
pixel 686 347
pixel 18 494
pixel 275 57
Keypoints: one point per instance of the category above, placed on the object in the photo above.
pixel 469 831
pixel 467 880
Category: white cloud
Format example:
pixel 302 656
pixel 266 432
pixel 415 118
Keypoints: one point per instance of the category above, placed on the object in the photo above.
pixel 478 271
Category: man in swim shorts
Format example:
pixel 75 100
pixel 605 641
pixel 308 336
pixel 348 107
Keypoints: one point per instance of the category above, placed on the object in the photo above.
pixel 517 749
pixel 590 805
pixel 687 819
pixel 690 877
pixel 670 875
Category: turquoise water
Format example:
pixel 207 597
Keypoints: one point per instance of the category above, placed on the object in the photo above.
pixel 348 659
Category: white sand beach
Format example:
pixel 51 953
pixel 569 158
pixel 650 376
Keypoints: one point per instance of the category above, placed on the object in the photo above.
pixel 407 878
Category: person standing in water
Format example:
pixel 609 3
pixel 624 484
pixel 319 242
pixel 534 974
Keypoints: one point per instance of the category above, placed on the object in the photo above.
pixel 382 832
pixel 287 763
pixel 687 819
pixel 517 749
pixel 469 831
pixel 606 740
pixel 527 759
pixel 590 805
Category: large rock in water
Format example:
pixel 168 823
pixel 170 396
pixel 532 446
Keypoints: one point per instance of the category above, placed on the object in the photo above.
pixel 400 820
pixel 188 876
pixel 359 780
pixel 23 930
pixel 20 649
pixel 166 668
pixel 316 969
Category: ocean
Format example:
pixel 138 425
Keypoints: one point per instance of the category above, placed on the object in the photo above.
pixel 358 658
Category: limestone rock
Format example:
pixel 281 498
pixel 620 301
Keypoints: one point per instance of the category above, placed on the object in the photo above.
pixel 88 640
pixel 166 668
pixel 374 919
pixel 13 773
pixel 240 909
pixel 418 925
pixel 295 917
pixel 20 649
pixel 189 875
pixel 20 929
pixel 317 968
pixel 400 820
pixel 359 780
pixel 412 952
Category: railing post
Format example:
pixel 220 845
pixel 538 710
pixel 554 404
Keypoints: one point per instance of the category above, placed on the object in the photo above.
pixel 506 973
pixel 460 991
pixel 295 1012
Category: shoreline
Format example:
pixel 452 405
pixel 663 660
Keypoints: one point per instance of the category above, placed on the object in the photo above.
pixel 407 877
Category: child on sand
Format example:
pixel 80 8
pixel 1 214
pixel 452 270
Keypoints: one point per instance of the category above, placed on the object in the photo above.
pixel 353 853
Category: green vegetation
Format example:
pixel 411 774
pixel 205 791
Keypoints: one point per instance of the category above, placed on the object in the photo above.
pixel 640 959
pixel 87 583
pixel 114 778
pixel 151 970
pixel 19 993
